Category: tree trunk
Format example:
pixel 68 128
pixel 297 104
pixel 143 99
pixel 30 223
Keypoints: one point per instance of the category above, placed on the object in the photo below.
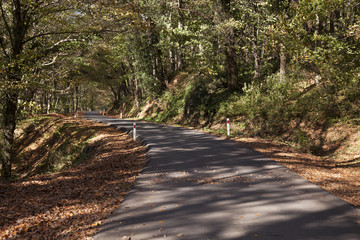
pixel 180 58
pixel 282 63
pixel 255 53
pixel 9 125
pixel 232 68
pixel 256 62
pixel 17 31
pixel 76 99
pixel 136 95
pixel 331 23
pixel 255 45
pixel 172 61
pixel 48 104
pixel 230 51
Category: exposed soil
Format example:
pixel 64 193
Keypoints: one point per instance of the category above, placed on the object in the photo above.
pixel 71 204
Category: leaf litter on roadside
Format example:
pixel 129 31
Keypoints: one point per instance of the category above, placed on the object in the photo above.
pixel 325 172
pixel 71 204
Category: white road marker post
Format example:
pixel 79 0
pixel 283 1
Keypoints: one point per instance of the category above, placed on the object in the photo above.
pixel 134 132
pixel 121 115
pixel 228 126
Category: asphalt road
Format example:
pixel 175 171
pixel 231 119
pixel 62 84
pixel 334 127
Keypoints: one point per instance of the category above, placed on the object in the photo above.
pixel 198 186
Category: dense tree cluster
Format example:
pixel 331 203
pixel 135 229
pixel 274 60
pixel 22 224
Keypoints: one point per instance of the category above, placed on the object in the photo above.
pixel 70 55
pixel 38 42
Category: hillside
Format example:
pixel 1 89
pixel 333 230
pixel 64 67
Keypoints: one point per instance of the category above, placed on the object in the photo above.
pixel 323 149
pixel 70 175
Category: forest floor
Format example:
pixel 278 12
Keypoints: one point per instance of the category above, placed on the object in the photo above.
pixel 72 203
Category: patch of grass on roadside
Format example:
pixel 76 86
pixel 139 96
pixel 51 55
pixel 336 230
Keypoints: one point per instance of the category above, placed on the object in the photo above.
pixel 48 144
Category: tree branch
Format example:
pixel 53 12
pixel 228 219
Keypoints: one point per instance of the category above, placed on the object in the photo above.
pixel 48 34
pixel 70 32
pixel 52 62
pixel 68 39
pixel 5 21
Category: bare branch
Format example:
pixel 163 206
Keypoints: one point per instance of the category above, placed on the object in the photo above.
pixel 48 34
pixel 68 39
pixel 71 32
pixel 52 62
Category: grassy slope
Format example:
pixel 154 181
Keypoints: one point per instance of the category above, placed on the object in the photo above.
pixel 293 120
pixel 292 113
pixel 49 144
pixel 69 176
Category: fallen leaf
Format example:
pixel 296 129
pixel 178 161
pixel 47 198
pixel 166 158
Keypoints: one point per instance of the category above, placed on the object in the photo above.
pixel 73 203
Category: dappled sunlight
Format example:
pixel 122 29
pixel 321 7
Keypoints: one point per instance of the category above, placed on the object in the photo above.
pixel 338 177
pixel 71 204
pixel 198 186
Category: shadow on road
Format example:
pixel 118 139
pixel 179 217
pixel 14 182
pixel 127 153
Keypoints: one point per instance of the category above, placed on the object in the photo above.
pixel 197 186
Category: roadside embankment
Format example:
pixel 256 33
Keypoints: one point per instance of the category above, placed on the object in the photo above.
pixel 299 123
pixel 69 176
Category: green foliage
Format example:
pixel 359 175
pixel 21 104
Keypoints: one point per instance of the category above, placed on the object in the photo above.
pixel 196 103
pixel 174 105
pixel 203 100
pixel 63 144
pixel 65 152
pixel 115 55
pixel 265 105
pixel 302 139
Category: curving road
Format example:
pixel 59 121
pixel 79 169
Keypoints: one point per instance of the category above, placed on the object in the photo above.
pixel 198 186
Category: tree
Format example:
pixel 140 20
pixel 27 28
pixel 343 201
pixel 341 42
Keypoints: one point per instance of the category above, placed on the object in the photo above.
pixel 109 69
pixel 230 51
pixel 32 33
